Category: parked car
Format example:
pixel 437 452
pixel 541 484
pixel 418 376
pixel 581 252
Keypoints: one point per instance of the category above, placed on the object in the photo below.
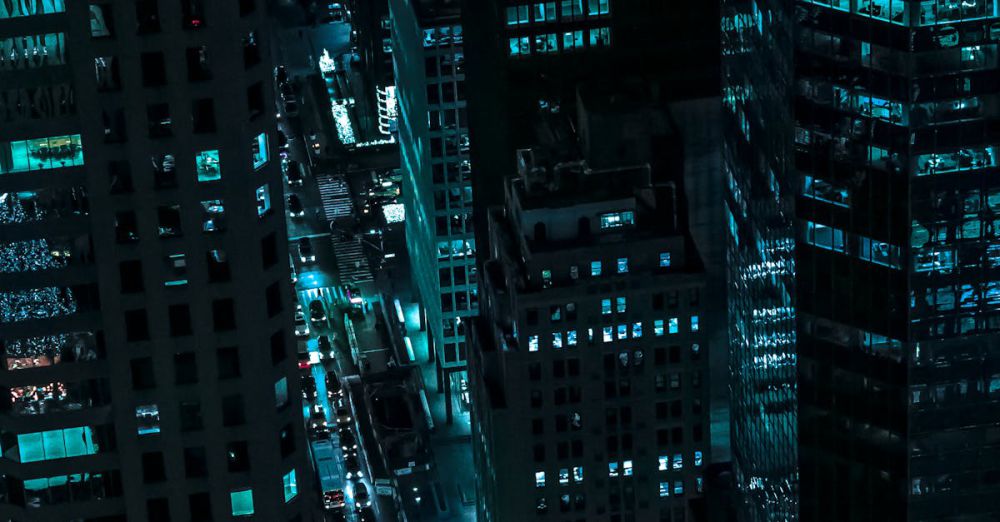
pixel 306 254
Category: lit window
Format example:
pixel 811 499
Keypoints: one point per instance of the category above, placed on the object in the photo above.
pixel 577 474
pixel 259 151
pixel 56 444
pixel 546 278
pixel 291 486
pixel 627 468
pixel 532 343
pixel 663 463
pixel 697 458
pixel 242 502
pixel 281 392
pixel 539 479
pixel 208 166
pixel 572 40
pixel 595 268
pixel 590 335
pixel 616 219
pixel 622 331
pixel 41 153
pixel 213 215
pixel 664 489
pixel 147 418
pixel 672 325
pixel 263 200
pixel 563 476
pixel 699 484
pixel 637 330
pixel 678 487
pixel 605 306
pixel 545 12
pixel 520 46
pixel 600 37
pixel 608 334
pixel 571 338
pixel 694 323
pixel 612 469
pixel 33 8
pixel 557 340
pixel 620 305
pixel 597 7
pixel 664 259
pixel 658 327
pixel 622 265
pixel 574 272
pixel 678 462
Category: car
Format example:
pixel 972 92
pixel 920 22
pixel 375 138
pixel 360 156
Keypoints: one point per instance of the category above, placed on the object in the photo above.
pixel 343 413
pixel 317 311
pixel 308 387
pixel 366 514
pixel 295 208
pixel 318 431
pixel 306 254
pixel 280 74
pixel 361 497
pixel 333 387
pixel 353 466
pixel 291 106
pixel 348 442
pixel 333 499
pixel 301 328
pixel 317 416
pixel 293 173
pixel 324 345
pixel 303 360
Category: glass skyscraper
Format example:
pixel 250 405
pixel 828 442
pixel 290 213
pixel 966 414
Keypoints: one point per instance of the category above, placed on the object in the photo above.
pixel 756 87
pixel 897 266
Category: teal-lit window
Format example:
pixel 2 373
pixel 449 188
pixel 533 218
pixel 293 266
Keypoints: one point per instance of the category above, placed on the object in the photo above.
pixel 242 502
pixel 948 11
pixel 147 419
pixel 617 219
pixel 42 153
pixel 672 325
pixel 557 339
pixel 664 259
pixel 517 15
pixel 539 479
pixel 595 268
pixel 678 461
pixel 532 343
pixel 578 474
pixel 600 37
pixel 213 216
pixel 822 236
pixel 658 327
pixel 572 9
pixel 841 5
pixel 694 323
pixel 546 278
pixel 697 458
pixel 678 487
pixel 622 331
pixel 963 159
pixel 572 40
pixel 664 489
pixel 622 265
pixel 825 191
pixel 208 166
pixel 636 330
pixel 891 10
pixel 547 43
pixel 520 46
pixel 291 486
pixel 17 8
pixel 259 151
pixel 56 444
pixel 281 393
pixel 620 304
pixel 263 200
pixel 545 12
pixel 597 7
pixel 605 306
pixel 607 332
pixel 571 338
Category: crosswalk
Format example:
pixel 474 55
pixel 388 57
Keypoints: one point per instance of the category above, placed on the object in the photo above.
pixel 352 265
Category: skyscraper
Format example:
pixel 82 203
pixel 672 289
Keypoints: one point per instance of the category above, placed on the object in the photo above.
pixel 429 61
pixel 588 366
pixel 757 160
pixel 895 138
pixel 143 276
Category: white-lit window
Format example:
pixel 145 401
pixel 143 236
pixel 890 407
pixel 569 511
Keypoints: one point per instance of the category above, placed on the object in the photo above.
pixel 672 325
pixel 577 474
pixel 595 268
pixel 612 469
pixel 678 462
pixel 622 331
pixel 263 200
pixel 658 327
pixel 664 463
pixel 637 330
pixel 539 479
pixel 620 305
pixel 664 489
pixel 664 259
pixel 608 334
pixel 613 219
pixel 694 323
pixel 532 343
pixel 563 476
pixel 147 418
pixel 557 340
pixel 627 468
pixel 697 458
pixel 571 338
pixel 605 306
pixel 622 265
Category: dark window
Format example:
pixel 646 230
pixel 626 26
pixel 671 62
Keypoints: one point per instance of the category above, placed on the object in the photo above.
pixel 185 368
pixel 223 314
pixel 120 177
pixel 179 316
pixel 675 354
pixel 237 456
pixel 197 64
pixel 131 276
pixel 143 377
pixel 136 326
pixel 153 468
pixel 154 69
pixel 126 227
pixel 251 50
pixel 661 410
pixel 102 21
pixel 233 413
pixel 147 16
pixel 229 362
pixel 539 452
pixel 115 130
pixel 537 426
pixel 169 221
pixel 203 115
pixel 192 14
pixel 247 7
pixel 269 250
pixel 218 266
pixel 255 100
pixel 158 509
pixel 191 416
pixel 158 118
pixel 195 462
pixel 201 507
pixel 286 440
pixel 535 371
pixel 272 299
pixel 677 436
pixel 278 352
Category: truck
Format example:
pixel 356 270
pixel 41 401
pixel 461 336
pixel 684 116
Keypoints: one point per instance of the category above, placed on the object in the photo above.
pixel 330 483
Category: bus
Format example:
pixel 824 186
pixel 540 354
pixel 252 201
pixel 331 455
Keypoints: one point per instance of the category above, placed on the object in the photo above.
pixel 330 482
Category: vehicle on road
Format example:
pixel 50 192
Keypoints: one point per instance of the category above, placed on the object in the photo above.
pixel 332 485
pixel 280 74
pixel 361 497
pixel 317 311
pixel 308 385
pixel 293 173
pixel 333 499
pixel 301 328
pixel 318 432
pixel 295 209
pixel 334 390
pixel 306 254
pixel 291 105
pixel 324 345
pixel 343 413
pixel 353 466
pixel 347 441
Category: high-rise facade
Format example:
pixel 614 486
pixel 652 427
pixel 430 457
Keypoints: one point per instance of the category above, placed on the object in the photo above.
pixel 588 366
pixel 429 63
pixel 143 277
pixel 899 362
pixel 756 158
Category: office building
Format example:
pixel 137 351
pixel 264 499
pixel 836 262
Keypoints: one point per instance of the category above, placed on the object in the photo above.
pixel 895 139
pixel 756 159
pixel 144 285
pixel 588 367
pixel 427 48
